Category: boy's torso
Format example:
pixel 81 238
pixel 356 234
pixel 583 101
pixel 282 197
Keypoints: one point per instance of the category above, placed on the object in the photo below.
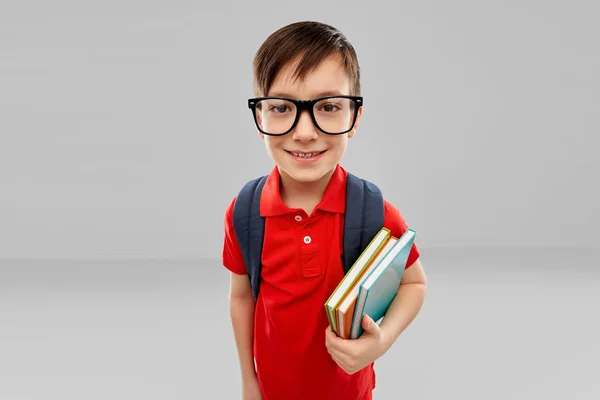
pixel 301 266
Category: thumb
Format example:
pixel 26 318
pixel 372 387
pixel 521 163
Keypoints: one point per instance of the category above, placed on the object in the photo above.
pixel 369 325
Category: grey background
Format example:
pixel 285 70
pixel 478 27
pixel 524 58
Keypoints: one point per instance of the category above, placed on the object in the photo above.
pixel 124 134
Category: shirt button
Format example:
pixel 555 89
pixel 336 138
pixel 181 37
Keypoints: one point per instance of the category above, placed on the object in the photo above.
pixel 298 218
pixel 307 239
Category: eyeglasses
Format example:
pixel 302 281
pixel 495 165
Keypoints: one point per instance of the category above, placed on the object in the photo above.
pixel 277 116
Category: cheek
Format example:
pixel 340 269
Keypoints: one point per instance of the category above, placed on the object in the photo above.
pixel 273 142
pixel 338 144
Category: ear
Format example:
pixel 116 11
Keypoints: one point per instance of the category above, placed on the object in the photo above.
pixel 351 133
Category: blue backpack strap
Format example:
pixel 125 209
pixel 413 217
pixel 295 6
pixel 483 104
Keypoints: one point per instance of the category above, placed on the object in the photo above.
pixel 363 219
pixel 249 228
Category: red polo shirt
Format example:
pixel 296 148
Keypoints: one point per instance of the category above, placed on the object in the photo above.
pixel 301 268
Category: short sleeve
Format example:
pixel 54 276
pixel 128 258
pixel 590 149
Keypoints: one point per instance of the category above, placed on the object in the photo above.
pixel 232 254
pixel 395 222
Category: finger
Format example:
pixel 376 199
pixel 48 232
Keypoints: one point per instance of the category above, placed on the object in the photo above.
pixel 340 355
pixel 330 338
pixel 334 351
pixel 330 333
pixel 333 340
pixel 369 325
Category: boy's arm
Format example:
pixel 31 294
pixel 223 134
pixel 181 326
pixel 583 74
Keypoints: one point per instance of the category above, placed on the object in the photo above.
pixel 241 308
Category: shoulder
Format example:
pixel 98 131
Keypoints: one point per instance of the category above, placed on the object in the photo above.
pixel 230 234
pixel 229 210
pixel 244 195
pixel 393 219
pixel 232 257
pixel 396 223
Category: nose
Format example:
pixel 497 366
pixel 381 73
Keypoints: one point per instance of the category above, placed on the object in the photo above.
pixel 305 130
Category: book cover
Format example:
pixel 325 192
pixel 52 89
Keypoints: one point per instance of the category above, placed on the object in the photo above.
pixel 345 310
pixel 379 288
pixel 352 275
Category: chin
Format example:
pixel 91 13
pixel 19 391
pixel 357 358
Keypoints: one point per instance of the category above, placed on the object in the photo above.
pixel 307 175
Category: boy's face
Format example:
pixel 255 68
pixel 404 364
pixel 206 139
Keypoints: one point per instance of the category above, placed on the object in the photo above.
pixel 329 78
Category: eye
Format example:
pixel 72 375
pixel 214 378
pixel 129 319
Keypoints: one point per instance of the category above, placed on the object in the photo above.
pixel 278 109
pixel 330 107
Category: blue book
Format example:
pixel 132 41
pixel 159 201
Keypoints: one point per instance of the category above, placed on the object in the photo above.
pixel 378 289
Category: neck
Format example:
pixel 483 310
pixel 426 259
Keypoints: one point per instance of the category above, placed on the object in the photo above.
pixel 305 195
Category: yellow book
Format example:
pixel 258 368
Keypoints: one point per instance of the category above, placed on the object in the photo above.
pixel 353 274
pixel 345 310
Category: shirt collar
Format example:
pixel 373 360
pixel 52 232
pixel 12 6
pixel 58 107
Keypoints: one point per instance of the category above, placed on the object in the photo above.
pixel 334 198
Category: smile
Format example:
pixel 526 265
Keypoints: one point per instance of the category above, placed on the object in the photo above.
pixel 306 157
pixel 302 154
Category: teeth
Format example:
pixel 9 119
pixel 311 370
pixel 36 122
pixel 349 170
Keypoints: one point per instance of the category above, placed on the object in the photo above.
pixel 305 155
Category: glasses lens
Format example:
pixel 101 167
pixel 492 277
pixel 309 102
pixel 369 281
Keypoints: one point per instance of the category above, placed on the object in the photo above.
pixel 334 115
pixel 275 116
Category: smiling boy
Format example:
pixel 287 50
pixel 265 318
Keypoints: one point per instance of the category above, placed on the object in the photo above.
pixel 286 348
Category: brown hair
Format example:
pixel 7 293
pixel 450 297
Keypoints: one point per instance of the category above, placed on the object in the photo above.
pixel 308 42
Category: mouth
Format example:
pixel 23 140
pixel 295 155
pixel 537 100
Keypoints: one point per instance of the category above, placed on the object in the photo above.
pixel 306 155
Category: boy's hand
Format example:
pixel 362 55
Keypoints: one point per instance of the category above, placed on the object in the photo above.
pixel 251 390
pixel 354 355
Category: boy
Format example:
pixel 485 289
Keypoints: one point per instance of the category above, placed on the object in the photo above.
pixel 287 350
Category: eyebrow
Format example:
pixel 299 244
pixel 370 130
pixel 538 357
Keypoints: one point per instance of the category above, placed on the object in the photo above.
pixel 322 94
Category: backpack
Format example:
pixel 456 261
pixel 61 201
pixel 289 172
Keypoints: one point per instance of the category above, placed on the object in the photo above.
pixel 363 219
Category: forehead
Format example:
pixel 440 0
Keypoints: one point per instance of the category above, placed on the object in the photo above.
pixel 328 77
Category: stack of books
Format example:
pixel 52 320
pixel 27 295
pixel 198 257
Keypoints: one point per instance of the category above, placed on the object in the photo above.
pixel 370 285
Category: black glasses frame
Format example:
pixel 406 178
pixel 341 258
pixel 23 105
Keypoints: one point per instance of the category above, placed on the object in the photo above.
pixel 307 105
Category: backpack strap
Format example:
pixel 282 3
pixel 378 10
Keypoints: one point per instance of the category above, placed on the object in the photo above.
pixel 363 219
pixel 249 228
